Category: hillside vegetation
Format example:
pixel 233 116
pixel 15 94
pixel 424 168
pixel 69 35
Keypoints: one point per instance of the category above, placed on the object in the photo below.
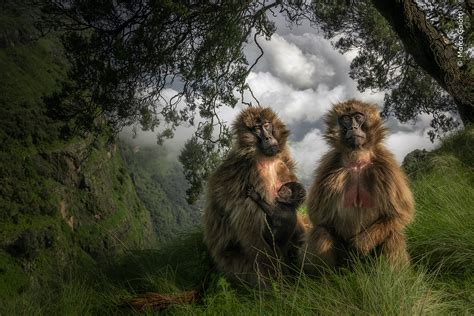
pixel 440 282
pixel 67 200
pixel 161 186
pixel 62 198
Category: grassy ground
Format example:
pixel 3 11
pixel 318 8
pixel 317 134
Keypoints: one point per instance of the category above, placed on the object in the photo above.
pixel 440 282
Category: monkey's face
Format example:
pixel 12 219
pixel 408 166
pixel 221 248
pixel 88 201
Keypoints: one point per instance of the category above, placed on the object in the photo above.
pixel 260 131
pixel 352 126
pixel 266 142
pixel 291 193
pixel 285 193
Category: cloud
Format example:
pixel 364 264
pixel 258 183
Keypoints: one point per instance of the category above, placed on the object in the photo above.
pixel 299 69
pixel 307 154
pixel 301 76
pixel 293 105
pixel 401 143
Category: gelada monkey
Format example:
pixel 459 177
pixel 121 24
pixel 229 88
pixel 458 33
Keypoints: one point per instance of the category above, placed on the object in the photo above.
pixel 235 226
pixel 360 201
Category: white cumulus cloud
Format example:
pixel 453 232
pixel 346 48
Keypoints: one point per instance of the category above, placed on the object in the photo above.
pixel 292 104
pixel 401 143
pixel 307 154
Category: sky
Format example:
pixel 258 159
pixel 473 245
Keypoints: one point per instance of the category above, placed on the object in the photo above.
pixel 300 77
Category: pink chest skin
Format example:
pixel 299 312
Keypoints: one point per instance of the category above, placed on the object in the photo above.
pixel 269 172
pixel 356 194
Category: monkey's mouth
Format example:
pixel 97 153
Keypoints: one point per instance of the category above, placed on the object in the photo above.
pixel 271 150
pixel 355 136
pixel 356 140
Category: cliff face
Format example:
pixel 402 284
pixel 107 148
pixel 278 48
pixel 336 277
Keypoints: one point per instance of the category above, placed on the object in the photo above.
pixel 161 186
pixel 69 201
pixel 64 199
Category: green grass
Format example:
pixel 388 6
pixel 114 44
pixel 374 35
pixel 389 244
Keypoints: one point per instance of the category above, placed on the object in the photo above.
pixel 101 287
pixel 440 282
pixel 443 233
pixel 371 289
pixel 442 236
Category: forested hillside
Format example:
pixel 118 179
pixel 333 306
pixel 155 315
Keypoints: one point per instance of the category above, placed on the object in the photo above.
pixel 161 186
pixel 67 199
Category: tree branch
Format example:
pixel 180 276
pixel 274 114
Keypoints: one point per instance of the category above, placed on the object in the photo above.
pixel 432 51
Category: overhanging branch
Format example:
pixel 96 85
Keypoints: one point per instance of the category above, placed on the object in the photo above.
pixel 432 51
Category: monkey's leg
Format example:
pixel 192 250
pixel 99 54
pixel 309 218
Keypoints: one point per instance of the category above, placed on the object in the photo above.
pixel 394 248
pixel 320 249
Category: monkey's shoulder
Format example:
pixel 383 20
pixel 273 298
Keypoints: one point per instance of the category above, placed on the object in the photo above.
pixel 384 167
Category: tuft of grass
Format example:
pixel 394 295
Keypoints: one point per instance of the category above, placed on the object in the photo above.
pixel 371 288
pixel 442 235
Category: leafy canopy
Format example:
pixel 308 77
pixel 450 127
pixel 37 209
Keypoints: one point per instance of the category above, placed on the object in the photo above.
pixel 159 63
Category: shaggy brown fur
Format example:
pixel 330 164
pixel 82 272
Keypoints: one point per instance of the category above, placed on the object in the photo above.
pixel 360 200
pixel 282 216
pixel 234 224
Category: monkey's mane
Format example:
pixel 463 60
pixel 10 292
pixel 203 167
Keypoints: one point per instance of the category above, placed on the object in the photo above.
pixel 374 128
pixel 242 129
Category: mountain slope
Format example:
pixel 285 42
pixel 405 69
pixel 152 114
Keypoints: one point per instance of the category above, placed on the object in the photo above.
pixel 65 200
pixel 161 187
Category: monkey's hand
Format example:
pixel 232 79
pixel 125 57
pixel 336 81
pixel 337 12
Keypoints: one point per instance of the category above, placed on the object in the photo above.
pixel 257 198
pixel 374 235
pixel 254 195
pixel 363 242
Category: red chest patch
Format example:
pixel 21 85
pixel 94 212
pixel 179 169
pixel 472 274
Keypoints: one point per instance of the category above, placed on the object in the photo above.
pixel 273 173
pixel 357 194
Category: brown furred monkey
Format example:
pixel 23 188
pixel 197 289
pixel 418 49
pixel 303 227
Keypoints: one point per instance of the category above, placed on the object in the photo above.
pixel 234 224
pixel 360 200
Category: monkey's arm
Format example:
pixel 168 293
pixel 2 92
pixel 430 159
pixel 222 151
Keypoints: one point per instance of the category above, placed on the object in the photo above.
pixel 395 197
pixel 326 190
pixel 396 204
pixel 255 196
pixel 375 234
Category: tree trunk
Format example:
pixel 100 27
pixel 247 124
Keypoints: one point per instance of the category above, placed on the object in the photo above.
pixel 432 51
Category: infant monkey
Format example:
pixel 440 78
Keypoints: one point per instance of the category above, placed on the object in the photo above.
pixel 281 216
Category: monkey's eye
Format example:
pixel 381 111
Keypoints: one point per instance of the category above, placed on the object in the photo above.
pixel 358 117
pixel 266 125
pixel 346 120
